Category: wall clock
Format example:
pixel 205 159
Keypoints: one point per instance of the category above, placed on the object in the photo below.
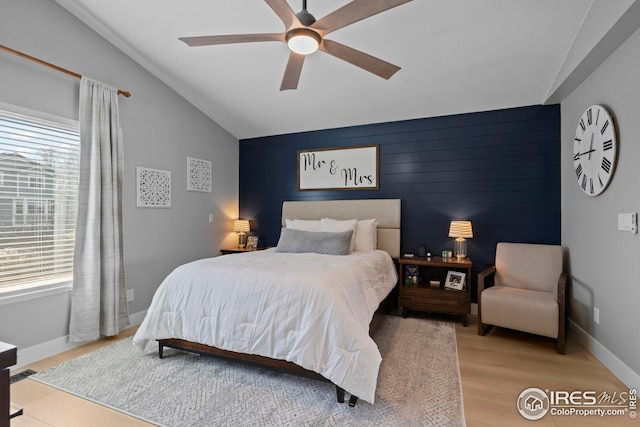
pixel 594 150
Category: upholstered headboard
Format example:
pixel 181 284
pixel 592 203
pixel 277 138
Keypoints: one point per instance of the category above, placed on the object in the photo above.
pixel 386 211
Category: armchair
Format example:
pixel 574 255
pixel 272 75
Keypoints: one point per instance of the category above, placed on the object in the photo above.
pixel 529 291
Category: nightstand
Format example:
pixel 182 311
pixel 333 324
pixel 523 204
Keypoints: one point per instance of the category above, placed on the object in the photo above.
pixel 239 250
pixel 429 293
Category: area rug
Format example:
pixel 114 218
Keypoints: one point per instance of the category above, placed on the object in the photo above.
pixel 418 385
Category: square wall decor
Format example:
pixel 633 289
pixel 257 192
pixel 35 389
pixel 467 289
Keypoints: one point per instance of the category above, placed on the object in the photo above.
pixel 198 175
pixel 153 188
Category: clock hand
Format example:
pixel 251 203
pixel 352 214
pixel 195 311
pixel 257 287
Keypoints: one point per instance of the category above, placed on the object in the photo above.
pixel 590 147
pixel 577 155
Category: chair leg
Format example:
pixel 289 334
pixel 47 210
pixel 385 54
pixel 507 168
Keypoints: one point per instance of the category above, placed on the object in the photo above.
pixel 561 341
pixel 483 329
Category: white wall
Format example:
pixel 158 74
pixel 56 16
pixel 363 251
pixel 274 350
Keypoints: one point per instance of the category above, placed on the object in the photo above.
pixel 160 130
pixel 604 261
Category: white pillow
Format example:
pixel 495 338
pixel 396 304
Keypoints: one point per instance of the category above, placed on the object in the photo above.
pixel 304 224
pixel 334 225
pixel 366 235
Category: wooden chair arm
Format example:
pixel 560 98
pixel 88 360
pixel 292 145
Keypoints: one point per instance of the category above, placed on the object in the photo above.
pixel 483 275
pixel 562 289
pixel 562 314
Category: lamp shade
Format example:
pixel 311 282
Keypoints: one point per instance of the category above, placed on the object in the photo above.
pixel 241 225
pixel 461 229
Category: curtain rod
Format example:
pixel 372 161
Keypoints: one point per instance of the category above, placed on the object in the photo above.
pixel 55 67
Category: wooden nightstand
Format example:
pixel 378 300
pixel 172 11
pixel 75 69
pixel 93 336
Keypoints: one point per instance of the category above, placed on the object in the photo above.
pixel 425 296
pixel 239 250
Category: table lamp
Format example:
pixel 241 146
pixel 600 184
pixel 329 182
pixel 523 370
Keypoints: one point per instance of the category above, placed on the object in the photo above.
pixel 241 226
pixel 461 230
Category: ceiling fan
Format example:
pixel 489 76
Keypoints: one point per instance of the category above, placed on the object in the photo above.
pixel 304 35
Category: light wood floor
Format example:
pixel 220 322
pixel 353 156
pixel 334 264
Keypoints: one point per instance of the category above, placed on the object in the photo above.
pixel 495 369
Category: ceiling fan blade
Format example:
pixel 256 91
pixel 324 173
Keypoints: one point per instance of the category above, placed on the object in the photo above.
pixel 352 12
pixel 232 38
pixel 292 72
pixel 360 59
pixel 284 11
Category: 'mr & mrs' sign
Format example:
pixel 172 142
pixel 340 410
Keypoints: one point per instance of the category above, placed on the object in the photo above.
pixel 350 168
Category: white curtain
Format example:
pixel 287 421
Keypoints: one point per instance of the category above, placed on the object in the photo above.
pixel 98 302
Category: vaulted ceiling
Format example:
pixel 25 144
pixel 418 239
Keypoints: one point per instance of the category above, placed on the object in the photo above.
pixel 456 56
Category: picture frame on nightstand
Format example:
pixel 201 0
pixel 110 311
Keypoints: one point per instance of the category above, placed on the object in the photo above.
pixel 252 242
pixel 454 280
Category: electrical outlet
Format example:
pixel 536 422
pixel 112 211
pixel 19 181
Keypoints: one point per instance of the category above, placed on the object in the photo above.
pixel 130 295
pixel 210 218
pixel 596 315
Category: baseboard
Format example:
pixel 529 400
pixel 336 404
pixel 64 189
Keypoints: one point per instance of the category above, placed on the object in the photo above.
pixel 474 308
pixel 627 375
pixel 50 348
pixel 136 319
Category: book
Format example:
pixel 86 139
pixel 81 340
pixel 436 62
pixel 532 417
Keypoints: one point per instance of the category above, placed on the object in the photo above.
pixel 411 275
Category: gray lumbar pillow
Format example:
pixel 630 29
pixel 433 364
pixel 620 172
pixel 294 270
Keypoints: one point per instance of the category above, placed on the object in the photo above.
pixel 320 242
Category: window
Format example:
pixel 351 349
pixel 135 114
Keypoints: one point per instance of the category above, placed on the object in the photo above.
pixel 39 168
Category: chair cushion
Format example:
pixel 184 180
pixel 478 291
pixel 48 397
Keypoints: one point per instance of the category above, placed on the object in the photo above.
pixel 529 266
pixel 521 309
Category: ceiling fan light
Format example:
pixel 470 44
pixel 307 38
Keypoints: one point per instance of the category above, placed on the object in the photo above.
pixel 303 45
pixel 303 41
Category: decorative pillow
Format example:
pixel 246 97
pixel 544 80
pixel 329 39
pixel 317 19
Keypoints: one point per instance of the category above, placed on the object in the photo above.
pixel 366 235
pixel 303 224
pixel 300 241
pixel 333 225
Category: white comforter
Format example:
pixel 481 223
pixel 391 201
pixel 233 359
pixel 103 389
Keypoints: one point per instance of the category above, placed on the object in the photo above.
pixel 310 309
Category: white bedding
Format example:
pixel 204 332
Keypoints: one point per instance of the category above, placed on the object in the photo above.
pixel 310 309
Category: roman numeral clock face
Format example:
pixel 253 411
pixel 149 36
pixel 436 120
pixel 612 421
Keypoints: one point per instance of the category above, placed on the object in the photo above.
pixel 594 150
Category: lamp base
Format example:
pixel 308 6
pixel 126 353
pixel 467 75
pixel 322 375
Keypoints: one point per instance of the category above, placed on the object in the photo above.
pixel 242 239
pixel 460 247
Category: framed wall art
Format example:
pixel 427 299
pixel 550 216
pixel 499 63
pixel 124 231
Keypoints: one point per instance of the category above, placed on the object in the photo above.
pixel 153 187
pixel 198 175
pixel 346 168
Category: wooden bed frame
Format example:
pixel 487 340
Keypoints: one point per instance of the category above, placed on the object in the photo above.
pixel 386 211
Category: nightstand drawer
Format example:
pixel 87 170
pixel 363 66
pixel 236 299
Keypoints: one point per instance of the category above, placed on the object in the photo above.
pixel 437 300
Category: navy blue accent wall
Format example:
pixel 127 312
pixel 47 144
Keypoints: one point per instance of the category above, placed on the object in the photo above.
pixel 500 169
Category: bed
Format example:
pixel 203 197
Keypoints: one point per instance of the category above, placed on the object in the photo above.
pixel 304 313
